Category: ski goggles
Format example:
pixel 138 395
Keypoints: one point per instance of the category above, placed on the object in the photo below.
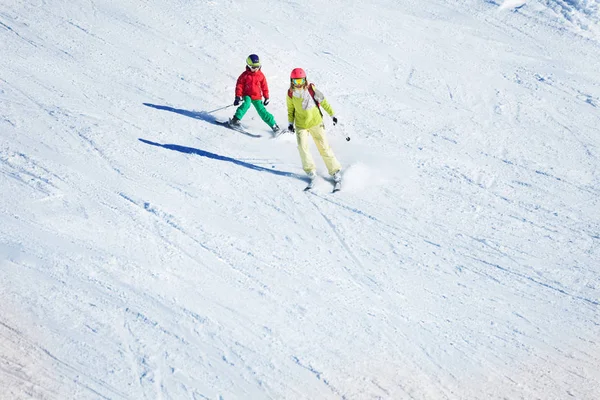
pixel 254 68
pixel 298 81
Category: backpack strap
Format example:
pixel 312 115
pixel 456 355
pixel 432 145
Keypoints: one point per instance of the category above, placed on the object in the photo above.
pixel 311 90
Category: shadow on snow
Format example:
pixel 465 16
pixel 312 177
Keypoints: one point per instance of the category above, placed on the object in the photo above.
pixel 201 115
pixel 191 150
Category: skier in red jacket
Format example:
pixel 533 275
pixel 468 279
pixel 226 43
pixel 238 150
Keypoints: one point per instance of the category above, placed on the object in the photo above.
pixel 250 89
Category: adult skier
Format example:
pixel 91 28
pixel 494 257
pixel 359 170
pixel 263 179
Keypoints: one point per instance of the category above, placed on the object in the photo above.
pixel 304 102
pixel 250 88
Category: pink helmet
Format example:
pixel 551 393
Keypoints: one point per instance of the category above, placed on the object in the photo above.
pixel 297 73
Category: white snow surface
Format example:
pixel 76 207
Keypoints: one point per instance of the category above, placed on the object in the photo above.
pixel 147 253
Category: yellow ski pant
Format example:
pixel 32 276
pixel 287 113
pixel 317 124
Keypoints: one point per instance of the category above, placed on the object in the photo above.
pixel 318 134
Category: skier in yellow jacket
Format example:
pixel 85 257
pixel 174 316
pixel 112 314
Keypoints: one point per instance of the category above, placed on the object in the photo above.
pixel 304 104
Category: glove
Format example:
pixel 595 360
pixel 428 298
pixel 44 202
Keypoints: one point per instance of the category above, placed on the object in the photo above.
pixel 237 101
pixel 291 128
pixel 266 101
pixel 334 120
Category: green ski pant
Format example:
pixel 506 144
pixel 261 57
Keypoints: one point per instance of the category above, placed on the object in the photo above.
pixel 260 108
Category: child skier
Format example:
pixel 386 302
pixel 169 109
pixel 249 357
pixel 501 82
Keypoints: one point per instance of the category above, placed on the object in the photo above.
pixel 303 101
pixel 250 88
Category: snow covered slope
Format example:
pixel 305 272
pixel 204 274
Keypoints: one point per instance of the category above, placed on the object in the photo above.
pixel 581 17
pixel 147 253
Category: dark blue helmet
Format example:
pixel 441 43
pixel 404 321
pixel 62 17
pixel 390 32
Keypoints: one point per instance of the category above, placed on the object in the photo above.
pixel 253 61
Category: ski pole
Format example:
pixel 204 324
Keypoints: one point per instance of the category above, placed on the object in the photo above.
pixel 347 137
pixel 217 109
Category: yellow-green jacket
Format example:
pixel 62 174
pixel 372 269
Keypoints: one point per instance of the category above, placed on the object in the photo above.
pixel 302 110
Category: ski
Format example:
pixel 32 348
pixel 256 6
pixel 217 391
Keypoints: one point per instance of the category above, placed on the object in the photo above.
pixel 310 185
pixel 337 186
pixel 279 133
pixel 337 181
pixel 237 128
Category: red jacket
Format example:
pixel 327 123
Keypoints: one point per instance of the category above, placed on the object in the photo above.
pixel 253 84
